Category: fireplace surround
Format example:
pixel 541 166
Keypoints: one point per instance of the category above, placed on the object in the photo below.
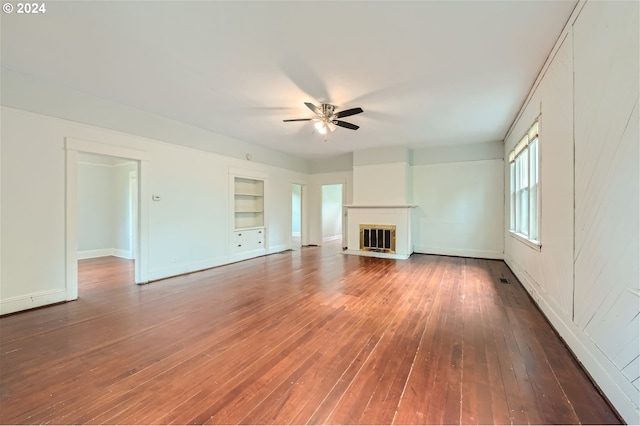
pixel 385 220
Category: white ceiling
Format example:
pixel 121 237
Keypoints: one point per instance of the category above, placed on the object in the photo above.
pixel 426 73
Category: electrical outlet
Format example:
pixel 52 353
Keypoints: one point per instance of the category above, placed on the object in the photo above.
pixel 174 259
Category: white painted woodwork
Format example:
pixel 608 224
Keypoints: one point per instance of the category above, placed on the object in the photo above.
pixel 247 243
pixel 248 202
pixel 400 216
pixel 607 197
pixel 585 277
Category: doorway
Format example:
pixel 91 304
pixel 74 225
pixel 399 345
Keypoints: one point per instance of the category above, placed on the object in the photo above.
pixel 296 216
pixel 106 217
pixel 332 214
pixel 139 250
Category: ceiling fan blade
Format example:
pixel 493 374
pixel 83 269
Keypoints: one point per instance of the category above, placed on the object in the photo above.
pixel 313 108
pixel 298 119
pixel 345 124
pixel 348 112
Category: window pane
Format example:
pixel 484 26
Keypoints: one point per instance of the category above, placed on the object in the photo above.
pixel 533 156
pixel 533 213
pixel 516 183
pixel 522 210
pixel 512 211
pixel 524 187
pixel 533 191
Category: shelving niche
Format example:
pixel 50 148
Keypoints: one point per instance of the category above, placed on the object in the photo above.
pixel 248 197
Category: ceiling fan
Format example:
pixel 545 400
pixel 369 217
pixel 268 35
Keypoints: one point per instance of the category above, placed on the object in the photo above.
pixel 328 118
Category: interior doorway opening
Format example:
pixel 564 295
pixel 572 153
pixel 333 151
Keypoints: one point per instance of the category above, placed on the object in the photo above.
pixel 332 215
pixel 296 216
pixel 139 225
pixel 107 219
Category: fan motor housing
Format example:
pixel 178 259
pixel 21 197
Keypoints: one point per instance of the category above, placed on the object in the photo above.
pixel 328 109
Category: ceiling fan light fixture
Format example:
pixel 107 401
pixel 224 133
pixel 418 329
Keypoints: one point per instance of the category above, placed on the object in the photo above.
pixel 327 118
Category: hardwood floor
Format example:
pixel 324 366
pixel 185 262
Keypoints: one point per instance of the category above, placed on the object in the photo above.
pixel 311 336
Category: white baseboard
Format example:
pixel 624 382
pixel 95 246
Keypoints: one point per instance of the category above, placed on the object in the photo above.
pixel 478 254
pixel 90 254
pixel 185 268
pixel 30 301
pixel 332 238
pixel 277 249
pixel 615 386
pixel 236 257
pixel 125 254
pixel 377 254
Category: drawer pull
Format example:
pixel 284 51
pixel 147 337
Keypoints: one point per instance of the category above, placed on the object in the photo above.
pixel 239 245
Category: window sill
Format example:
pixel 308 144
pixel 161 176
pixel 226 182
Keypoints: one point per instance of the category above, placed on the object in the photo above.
pixel 523 239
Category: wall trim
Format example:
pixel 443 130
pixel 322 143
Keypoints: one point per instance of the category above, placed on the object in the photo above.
pixel 186 268
pixel 478 254
pixel 73 147
pixel 90 254
pixel 93 147
pixel 278 249
pixel 397 256
pixel 602 371
pixel 96 164
pixel 31 301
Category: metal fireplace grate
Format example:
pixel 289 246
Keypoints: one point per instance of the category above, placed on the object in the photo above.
pixel 379 238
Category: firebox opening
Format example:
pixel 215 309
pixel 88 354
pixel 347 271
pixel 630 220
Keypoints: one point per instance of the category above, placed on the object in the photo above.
pixel 378 238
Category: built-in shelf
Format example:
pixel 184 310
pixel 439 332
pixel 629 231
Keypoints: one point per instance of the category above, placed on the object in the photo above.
pixel 248 236
pixel 248 200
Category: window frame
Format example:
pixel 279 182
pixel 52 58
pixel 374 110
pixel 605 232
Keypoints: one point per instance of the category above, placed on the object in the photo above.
pixel 521 156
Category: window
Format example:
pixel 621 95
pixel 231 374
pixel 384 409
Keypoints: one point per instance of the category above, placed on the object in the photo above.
pixel 524 173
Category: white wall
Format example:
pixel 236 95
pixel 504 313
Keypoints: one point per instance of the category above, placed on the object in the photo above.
pixel 103 210
pixel 382 184
pixel 296 210
pixel 188 228
pixel 459 208
pixel 332 212
pixel 586 275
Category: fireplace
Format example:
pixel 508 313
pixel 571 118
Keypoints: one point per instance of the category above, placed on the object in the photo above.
pixel 380 231
pixel 380 220
pixel 378 238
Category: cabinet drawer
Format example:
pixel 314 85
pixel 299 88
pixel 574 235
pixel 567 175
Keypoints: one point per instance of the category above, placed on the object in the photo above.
pixel 247 240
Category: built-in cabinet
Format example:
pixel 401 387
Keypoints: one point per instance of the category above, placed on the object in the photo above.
pixel 247 242
pixel 248 236
pixel 248 202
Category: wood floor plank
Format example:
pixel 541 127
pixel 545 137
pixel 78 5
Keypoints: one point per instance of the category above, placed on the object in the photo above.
pixel 312 336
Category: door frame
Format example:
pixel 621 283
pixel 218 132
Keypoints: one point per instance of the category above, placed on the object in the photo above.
pixel 304 234
pixel 134 205
pixel 343 218
pixel 73 147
